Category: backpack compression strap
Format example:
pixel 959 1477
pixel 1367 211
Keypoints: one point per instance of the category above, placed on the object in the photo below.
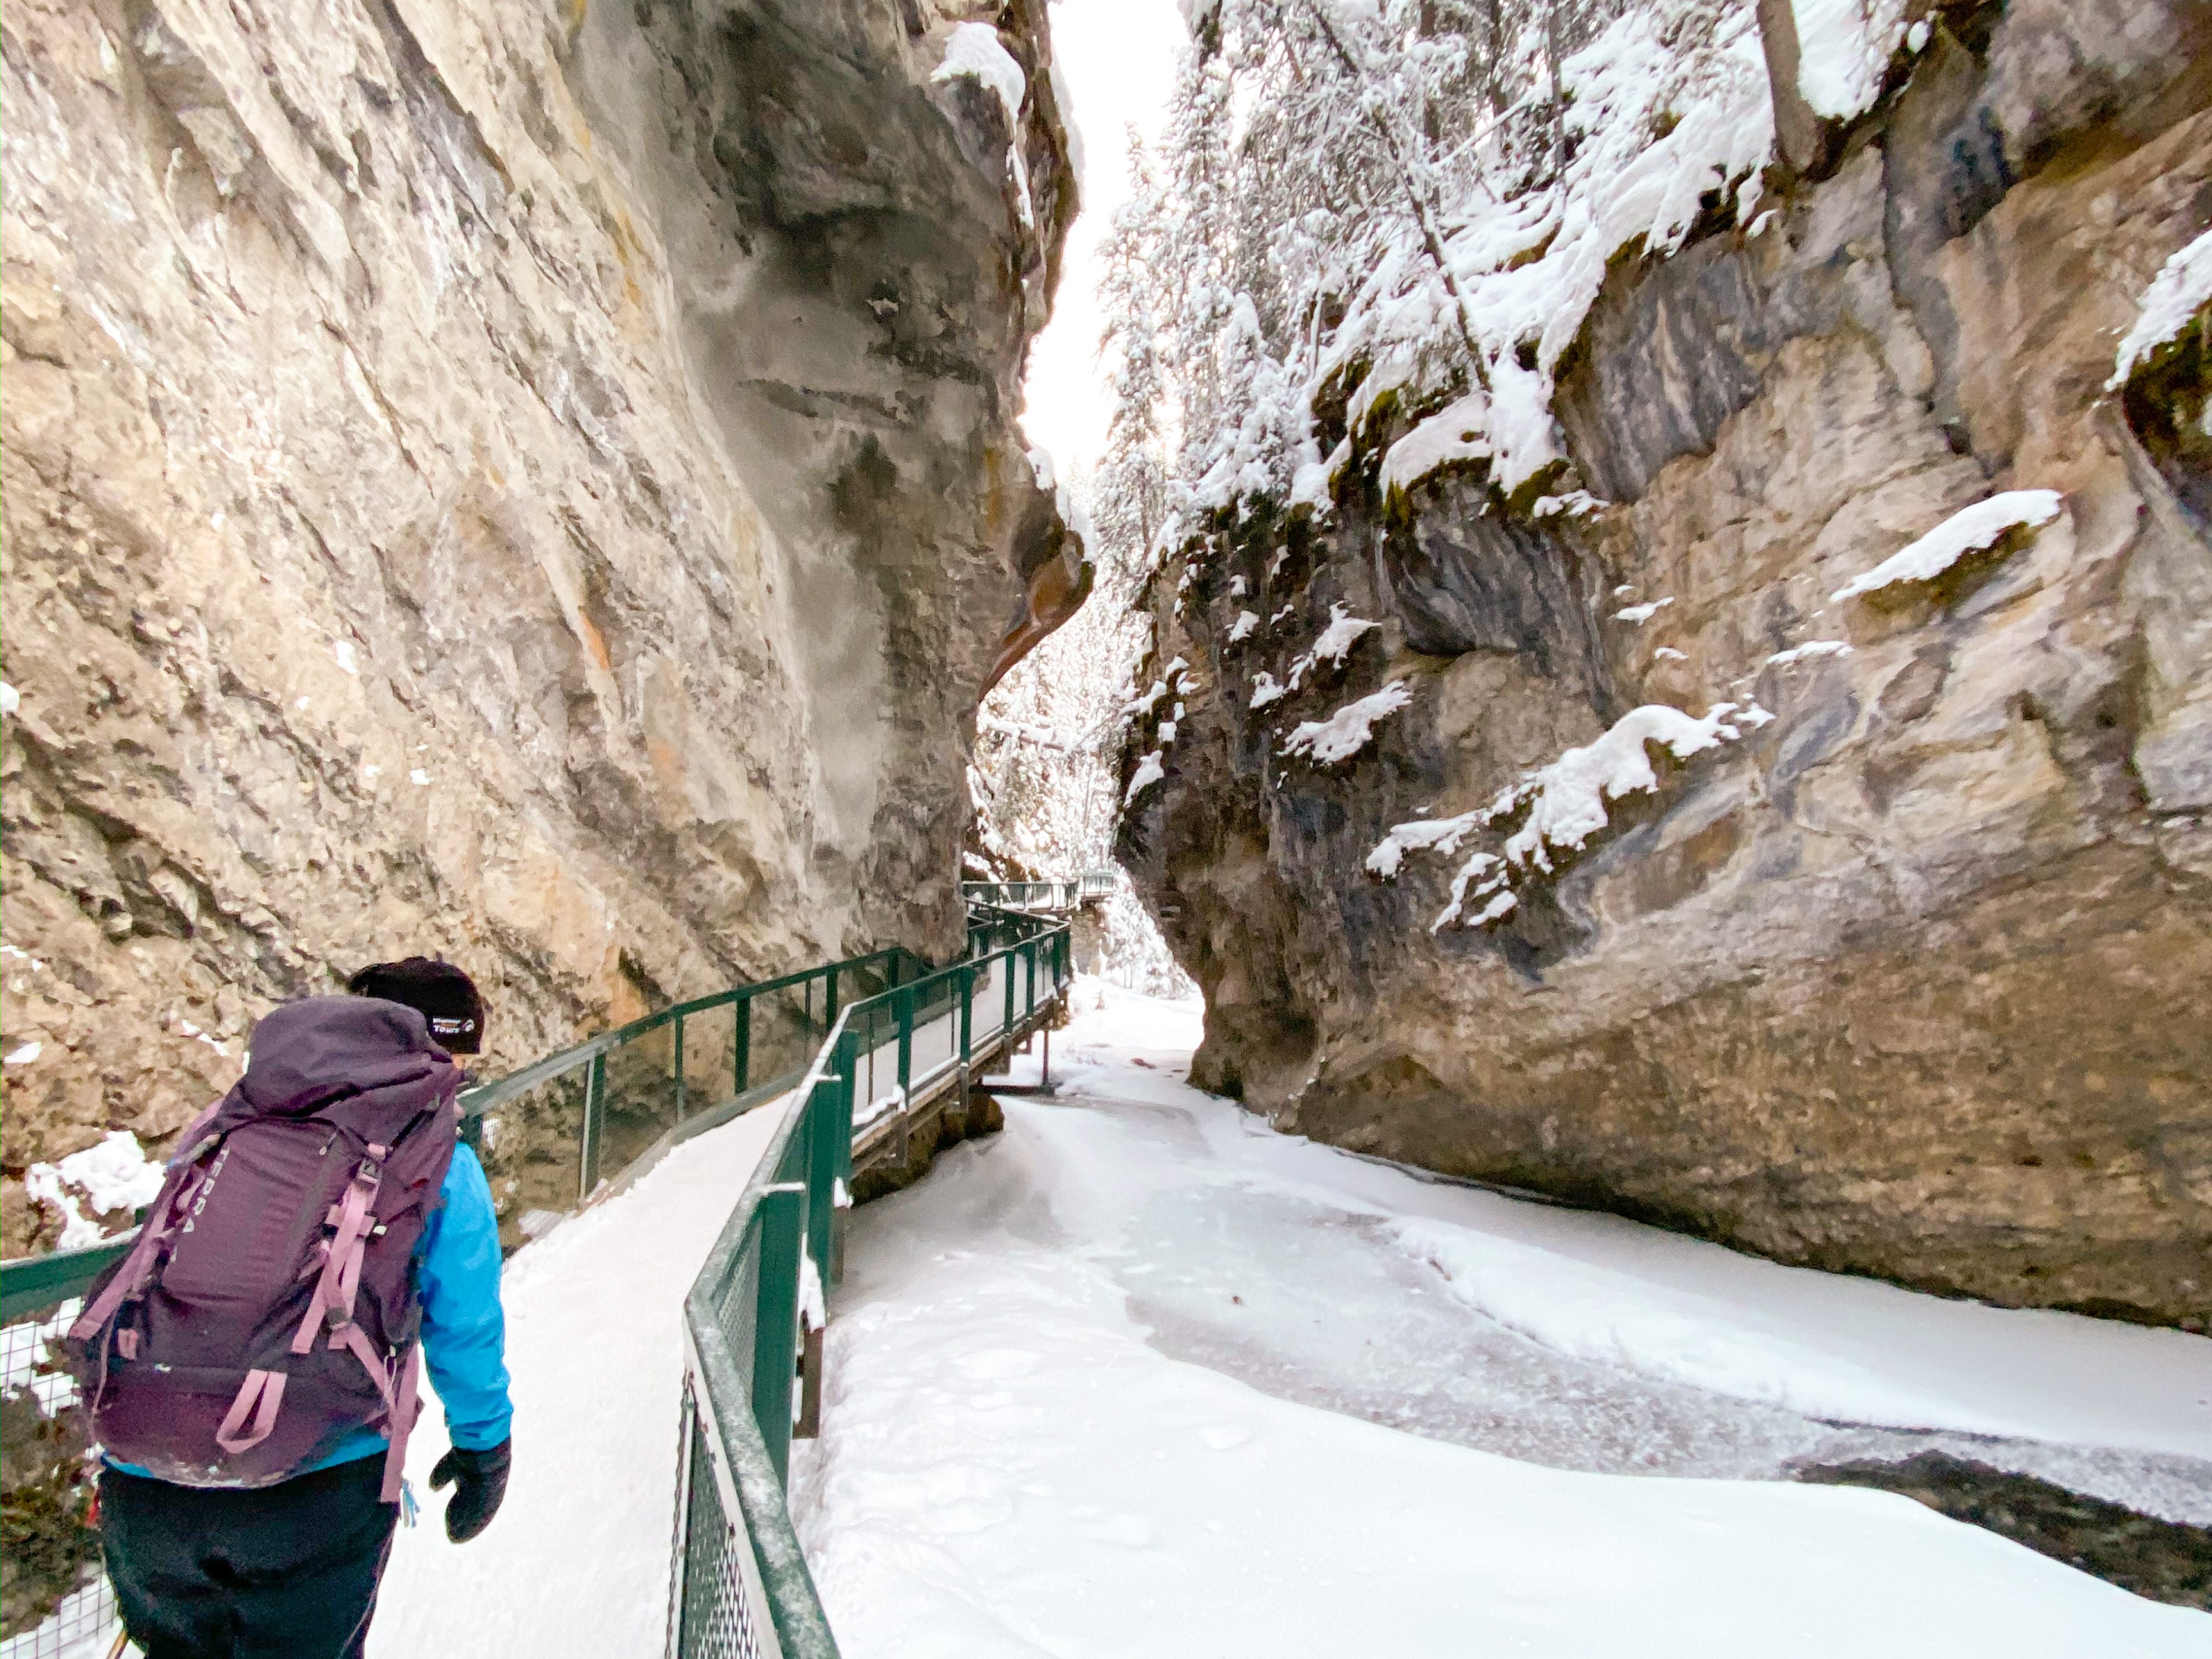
pixel 331 1307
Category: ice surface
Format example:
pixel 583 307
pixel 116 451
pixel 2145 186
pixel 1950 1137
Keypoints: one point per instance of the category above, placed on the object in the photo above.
pixel 1967 531
pixel 1141 1376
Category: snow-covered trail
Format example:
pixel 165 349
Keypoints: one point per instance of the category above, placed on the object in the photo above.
pixel 1020 1458
pixel 576 1562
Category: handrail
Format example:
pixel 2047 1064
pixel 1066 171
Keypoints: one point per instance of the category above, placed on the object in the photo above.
pixel 735 1550
pixel 475 1101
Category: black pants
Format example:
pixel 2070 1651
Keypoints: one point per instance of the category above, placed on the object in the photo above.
pixel 287 1571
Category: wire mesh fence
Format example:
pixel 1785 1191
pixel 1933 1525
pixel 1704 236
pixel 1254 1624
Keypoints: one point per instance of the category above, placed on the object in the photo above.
pixel 55 1601
pixel 716 1606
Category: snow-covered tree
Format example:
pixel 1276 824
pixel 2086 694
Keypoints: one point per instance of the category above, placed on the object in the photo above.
pixel 1373 205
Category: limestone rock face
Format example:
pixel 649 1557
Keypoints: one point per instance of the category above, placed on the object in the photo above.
pixel 1909 979
pixel 529 482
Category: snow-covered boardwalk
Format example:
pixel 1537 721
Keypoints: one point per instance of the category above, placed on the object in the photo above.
pixel 1044 1435
pixel 577 1562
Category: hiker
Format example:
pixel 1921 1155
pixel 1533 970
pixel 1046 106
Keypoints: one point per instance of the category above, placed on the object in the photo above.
pixel 252 1362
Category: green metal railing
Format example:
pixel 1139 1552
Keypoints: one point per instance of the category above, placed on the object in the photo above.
pixel 863 1035
pixel 739 1585
pixel 1040 895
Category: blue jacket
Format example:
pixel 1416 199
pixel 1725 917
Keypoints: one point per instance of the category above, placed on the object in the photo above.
pixel 463 1327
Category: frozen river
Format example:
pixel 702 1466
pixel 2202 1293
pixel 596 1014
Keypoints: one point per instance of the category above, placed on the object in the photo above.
pixel 1139 1376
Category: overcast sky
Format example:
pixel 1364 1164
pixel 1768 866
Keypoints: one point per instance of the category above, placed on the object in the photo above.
pixel 1117 59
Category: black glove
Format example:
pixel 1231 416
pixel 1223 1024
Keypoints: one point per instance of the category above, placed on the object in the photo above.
pixel 482 1478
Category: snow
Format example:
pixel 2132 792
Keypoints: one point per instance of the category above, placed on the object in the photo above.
pixel 1137 1376
pixel 1843 48
pixel 1443 835
pixel 1145 704
pixel 1336 640
pixel 1346 732
pixel 1969 530
pixel 1044 469
pixel 1243 627
pixel 2182 288
pixel 344 651
pixel 1810 649
pixel 1491 871
pixel 1669 653
pixel 1566 800
pixel 974 49
pixel 11 699
pixel 1265 690
pixel 1622 184
pixel 1311 483
pixel 114 1175
pixel 883 1106
pixel 1149 772
pixel 1457 434
pixel 25 1054
pixel 813 1303
pixel 1043 736
pixel 1640 614
pixel 576 1565
pixel 1576 503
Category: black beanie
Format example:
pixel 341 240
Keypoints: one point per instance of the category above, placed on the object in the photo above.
pixel 440 993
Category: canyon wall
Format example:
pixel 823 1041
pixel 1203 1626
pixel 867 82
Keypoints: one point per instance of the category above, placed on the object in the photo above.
pixel 1899 965
pixel 531 482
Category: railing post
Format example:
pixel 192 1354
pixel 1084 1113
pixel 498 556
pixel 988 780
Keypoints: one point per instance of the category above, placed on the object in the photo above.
pixel 775 1317
pixel 1007 1030
pixel 830 1015
pixel 680 1068
pixel 904 1008
pixel 967 1015
pixel 587 1154
pixel 824 1164
pixel 741 1039
pixel 848 1069
pixel 840 1137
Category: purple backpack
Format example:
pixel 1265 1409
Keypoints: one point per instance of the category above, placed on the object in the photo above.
pixel 268 1309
